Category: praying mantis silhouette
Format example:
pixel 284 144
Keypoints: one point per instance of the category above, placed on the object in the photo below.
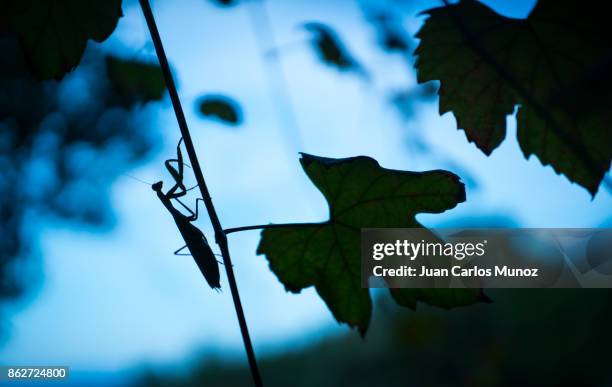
pixel 194 238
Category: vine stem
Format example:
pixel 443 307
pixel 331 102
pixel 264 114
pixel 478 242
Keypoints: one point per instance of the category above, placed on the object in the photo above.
pixel 220 236
pixel 275 74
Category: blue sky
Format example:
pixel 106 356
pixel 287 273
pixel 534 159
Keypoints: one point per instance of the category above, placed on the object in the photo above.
pixel 118 300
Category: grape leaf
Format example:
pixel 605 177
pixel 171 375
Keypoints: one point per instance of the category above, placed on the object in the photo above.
pixel 488 64
pixel 360 193
pixel 135 80
pixel 53 34
pixel 222 108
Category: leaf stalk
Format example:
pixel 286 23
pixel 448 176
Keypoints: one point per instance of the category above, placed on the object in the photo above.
pixel 271 225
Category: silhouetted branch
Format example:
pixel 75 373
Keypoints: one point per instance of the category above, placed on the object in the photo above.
pixel 220 236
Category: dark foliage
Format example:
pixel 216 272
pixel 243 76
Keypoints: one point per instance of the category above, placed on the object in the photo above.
pixel 225 3
pixel 52 35
pixel 557 337
pixel 547 64
pixel 61 145
pixel 220 108
pixel 331 50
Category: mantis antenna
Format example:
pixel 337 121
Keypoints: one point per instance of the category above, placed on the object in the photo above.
pixel 150 184
pixel 137 179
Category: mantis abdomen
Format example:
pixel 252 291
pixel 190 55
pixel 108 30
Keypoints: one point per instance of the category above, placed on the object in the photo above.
pixel 202 253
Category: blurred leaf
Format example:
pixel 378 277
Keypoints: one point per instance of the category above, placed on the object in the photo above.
pixel 406 100
pixel 391 35
pixel 331 50
pixel 62 144
pixel 488 63
pixel 225 3
pixel 360 193
pixel 53 34
pixel 222 108
pixel 135 80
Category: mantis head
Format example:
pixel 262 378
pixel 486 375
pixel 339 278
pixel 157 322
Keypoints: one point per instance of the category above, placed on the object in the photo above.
pixel 157 187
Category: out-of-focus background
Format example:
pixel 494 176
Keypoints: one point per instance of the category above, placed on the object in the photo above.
pixel 88 275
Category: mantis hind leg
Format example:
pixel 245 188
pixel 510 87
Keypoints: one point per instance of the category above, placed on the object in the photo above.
pixel 177 252
pixel 182 248
pixel 221 262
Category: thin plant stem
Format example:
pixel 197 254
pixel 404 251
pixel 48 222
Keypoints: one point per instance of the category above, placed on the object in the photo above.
pixel 271 225
pixel 220 236
pixel 273 68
